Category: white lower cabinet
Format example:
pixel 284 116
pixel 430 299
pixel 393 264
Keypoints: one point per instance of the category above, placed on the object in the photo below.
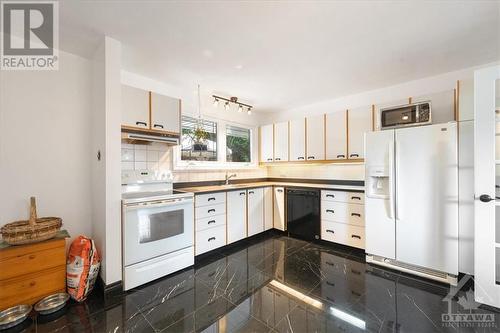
pixel 342 218
pixel 236 215
pixel 210 239
pixel 255 211
pixel 279 208
pixel 268 208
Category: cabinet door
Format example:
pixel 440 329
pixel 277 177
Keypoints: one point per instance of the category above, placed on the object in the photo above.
pixel 135 107
pixel 236 215
pixel 466 100
pixel 297 140
pixel 165 113
pixel 336 135
pixel 268 208
pixel 279 208
pixel 281 141
pixel 315 134
pixel 266 143
pixel 359 122
pixel 255 211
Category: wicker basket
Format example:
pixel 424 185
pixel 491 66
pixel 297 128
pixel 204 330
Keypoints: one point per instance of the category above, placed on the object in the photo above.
pixel 31 231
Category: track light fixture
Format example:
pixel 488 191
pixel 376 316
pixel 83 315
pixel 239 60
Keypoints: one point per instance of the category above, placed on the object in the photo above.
pixel 233 100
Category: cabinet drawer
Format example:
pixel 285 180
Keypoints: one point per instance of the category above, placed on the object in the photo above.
pixel 210 199
pixel 210 222
pixel 338 196
pixel 334 211
pixel 32 287
pixel 356 214
pixel 210 211
pixel 31 259
pixel 210 239
pixel 343 234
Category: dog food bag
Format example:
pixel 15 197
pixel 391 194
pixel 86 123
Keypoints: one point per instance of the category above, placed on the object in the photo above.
pixel 82 268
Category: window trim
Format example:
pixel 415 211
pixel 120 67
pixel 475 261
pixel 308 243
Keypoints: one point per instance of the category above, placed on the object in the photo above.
pixel 221 162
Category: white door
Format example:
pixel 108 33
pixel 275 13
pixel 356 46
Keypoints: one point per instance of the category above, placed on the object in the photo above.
pixel 336 135
pixel 135 107
pixel 315 134
pixel 236 215
pixel 298 139
pixel 281 141
pixel 359 122
pixel 427 197
pixel 266 143
pixel 380 228
pixel 279 208
pixel 255 211
pixel 486 162
pixel 268 208
pixel 165 113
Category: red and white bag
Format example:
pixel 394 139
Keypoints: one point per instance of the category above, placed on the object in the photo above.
pixel 82 268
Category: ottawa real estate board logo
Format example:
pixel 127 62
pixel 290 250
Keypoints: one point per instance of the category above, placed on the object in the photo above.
pixel 30 35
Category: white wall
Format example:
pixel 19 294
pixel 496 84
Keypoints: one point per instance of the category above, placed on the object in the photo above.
pixel 106 138
pixel 44 143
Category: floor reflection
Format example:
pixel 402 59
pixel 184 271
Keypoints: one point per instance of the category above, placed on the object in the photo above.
pixel 275 284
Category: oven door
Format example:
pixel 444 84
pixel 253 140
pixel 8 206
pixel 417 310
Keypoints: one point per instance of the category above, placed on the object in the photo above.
pixel 156 228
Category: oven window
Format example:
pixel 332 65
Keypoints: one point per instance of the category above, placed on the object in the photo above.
pixel 153 227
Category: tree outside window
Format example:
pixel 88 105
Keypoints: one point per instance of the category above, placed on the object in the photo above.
pixel 238 148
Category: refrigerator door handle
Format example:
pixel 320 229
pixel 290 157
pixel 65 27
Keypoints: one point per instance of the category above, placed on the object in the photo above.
pixel 396 175
pixel 391 180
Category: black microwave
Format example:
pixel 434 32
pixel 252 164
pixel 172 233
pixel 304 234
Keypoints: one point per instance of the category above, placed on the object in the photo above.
pixel 406 115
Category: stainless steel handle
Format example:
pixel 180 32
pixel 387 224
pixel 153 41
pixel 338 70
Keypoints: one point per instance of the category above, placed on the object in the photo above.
pixel 356 236
pixel 356 214
pixel 277 159
pixel 141 123
pixel 341 156
pixel 251 192
pixel 269 159
pixel 353 155
pixel 330 231
pixel 300 157
pixel 310 157
pixel 280 191
pixel 211 221
pixel 211 211
pixel 485 198
pixel 210 199
pixel 242 193
pixel 330 196
pixel 158 126
pixel 355 198
pixel 211 239
pixel 330 211
pixel 154 204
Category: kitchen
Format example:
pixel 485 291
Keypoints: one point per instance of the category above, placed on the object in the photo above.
pixel 236 191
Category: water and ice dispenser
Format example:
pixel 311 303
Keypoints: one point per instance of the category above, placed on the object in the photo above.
pixel 378 182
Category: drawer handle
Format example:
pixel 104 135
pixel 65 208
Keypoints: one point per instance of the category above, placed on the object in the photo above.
pixel 141 123
pixel 329 230
pixel 250 192
pixel 211 221
pixel 157 126
pixel 242 193
pixel 330 283
pixel 330 196
pixel 211 211
pixel 354 155
pixel 269 159
pixel 356 214
pixel 211 239
pixel 353 271
pixel 277 159
pixel 341 156
pixel 355 198
pixel 300 157
pixel 356 236
pixel 330 211
pixel 310 157
pixel 280 191
pixel 210 199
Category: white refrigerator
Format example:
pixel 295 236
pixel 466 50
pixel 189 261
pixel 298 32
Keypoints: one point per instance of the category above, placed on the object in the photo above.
pixel 411 200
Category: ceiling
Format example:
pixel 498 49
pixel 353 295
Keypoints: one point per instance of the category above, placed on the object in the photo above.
pixel 280 55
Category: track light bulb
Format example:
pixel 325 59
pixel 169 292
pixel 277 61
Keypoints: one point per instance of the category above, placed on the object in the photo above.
pixel 226 106
pixel 240 108
pixel 216 102
pixel 249 112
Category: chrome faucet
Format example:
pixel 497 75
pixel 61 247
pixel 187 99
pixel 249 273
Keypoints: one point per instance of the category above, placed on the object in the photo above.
pixel 229 177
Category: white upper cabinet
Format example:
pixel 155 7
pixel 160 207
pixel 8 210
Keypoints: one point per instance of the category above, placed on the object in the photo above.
pixel 315 133
pixel 298 140
pixel 165 113
pixel 336 135
pixel 466 100
pixel 266 143
pixel 359 122
pixel 135 107
pixel 255 211
pixel 236 215
pixel 281 141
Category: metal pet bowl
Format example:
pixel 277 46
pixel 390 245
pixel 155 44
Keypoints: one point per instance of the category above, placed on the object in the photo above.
pixel 51 303
pixel 13 316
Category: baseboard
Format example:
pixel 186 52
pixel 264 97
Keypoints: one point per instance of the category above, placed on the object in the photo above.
pixel 110 288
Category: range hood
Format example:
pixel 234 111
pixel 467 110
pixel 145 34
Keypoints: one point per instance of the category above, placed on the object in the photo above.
pixel 137 137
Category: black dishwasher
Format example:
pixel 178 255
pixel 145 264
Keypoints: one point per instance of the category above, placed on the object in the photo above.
pixel 303 213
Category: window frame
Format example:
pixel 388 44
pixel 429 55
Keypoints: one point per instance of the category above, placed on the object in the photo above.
pixel 221 162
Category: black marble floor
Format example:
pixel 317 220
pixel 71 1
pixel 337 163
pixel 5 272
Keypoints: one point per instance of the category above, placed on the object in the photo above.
pixel 277 284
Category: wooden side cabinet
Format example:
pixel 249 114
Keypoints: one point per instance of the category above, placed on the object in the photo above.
pixel 30 272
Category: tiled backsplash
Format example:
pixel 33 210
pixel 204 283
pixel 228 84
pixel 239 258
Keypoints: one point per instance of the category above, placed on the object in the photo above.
pixel 159 157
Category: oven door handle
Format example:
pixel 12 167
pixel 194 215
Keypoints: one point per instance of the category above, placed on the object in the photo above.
pixel 155 204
